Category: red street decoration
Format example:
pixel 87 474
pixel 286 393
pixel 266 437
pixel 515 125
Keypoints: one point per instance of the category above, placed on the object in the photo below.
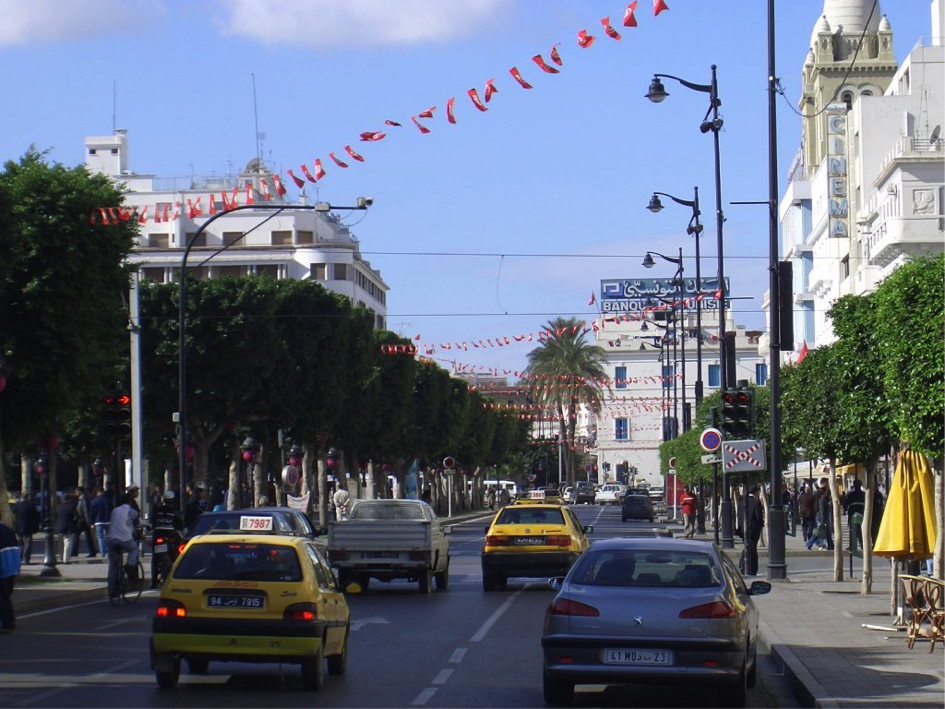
pixel 428 113
pixel 490 89
pixel 277 181
pixel 299 182
pixel 518 77
pixel 350 151
pixel 389 122
pixel 143 219
pixel 555 57
pixel 338 162
pixel 474 95
pixel 540 61
pixel 369 136
pixel 593 298
pixel 802 353
pixel 265 188
pixel 249 195
pixel 423 129
pixel 584 39
pixel 308 174
pixel 629 20
pixel 449 110
pixel 659 6
pixel 319 170
pixel 608 30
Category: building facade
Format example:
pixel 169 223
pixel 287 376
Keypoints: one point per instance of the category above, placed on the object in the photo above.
pixel 297 243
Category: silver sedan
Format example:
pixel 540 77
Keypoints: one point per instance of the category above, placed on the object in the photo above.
pixel 653 611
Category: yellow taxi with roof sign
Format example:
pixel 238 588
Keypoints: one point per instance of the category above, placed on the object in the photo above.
pixel 251 596
pixel 540 496
pixel 531 540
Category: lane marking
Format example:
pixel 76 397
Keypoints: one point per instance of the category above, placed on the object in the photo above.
pixel 494 618
pixel 109 673
pixel 424 696
pixel 442 676
pixel 457 656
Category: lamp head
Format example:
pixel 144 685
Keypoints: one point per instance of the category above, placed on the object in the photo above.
pixel 655 204
pixel 644 327
pixel 365 202
pixel 642 347
pixel 657 91
pixel 648 260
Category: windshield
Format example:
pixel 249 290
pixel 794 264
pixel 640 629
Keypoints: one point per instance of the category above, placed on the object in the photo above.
pixel 227 561
pixel 646 568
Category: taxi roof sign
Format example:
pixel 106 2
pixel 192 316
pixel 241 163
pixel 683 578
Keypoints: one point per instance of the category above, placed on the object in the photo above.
pixel 255 523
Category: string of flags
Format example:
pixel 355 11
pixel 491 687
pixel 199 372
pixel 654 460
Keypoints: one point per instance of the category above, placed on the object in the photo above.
pixel 420 120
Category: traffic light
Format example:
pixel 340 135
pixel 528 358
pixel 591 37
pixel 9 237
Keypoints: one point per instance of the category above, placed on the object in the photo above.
pixel 116 414
pixel 738 413
pixel 124 415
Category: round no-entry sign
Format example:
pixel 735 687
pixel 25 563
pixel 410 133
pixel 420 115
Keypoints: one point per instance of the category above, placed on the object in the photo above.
pixel 710 439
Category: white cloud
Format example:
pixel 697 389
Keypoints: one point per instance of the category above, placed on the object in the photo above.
pixel 321 24
pixel 31 22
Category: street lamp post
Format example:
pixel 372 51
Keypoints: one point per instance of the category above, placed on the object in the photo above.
pixel 362 204
pixel 711 122
pixel 679 313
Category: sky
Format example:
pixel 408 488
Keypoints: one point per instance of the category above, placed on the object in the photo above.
pixel 487 228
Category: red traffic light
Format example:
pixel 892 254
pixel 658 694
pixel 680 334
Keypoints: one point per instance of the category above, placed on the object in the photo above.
pixel 109 400
pixel 123 400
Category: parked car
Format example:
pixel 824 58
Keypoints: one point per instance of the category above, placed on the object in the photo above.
pixel 652 610
pixel 637 507
pixel 611 494
pixel 250 598
pixel 531 540
pixel 583 493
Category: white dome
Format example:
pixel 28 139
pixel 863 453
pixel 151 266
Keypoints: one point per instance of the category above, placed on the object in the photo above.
pixel 884 25
pixel 821 27
pixel 852 14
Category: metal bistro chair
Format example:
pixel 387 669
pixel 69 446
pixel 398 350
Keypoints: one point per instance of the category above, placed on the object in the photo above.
pixel 924 597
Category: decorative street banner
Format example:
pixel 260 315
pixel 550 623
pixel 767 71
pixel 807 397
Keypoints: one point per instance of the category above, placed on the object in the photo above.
pixel 642 294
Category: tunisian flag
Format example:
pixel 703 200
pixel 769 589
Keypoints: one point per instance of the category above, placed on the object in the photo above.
pixel 802 353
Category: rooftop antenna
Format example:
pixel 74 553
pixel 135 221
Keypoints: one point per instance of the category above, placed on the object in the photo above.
pixel 256 122
pixel 114 103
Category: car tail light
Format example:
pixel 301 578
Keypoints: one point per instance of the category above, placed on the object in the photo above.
pixel 494 540
pixel 301 611
pixel 557 540
pixel 159 540
pixel 180 548
pixel 171 609
pixel 716 609
pixel 565 606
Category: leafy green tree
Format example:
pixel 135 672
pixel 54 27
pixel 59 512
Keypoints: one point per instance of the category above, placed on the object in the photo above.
pixel 567 373
pixel 63 283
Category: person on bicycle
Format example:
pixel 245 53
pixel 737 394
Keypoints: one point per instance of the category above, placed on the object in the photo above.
pixel 122 536
pixel 168 524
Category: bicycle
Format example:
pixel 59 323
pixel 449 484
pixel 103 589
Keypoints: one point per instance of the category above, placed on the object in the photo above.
pixel 124 586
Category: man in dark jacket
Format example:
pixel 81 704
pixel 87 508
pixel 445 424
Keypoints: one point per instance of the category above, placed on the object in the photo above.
pixel 198 505
pixel 754 524
pixel 83 514
pixel 26 525
pixel 807 511
pixel 855 503
pixel 100 511
pixel 66 525
pixel 9 570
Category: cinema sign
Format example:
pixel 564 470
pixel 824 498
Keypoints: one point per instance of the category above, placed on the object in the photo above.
pixel 838 190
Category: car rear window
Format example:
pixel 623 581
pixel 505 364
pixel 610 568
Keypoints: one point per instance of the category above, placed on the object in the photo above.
pixel 527 515
pixel 637 501
pixel 209 522
pixel 647 569
pixel 227 561
pixel 387 509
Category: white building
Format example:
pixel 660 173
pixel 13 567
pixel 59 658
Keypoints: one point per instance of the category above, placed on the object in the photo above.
pixel 865 191
pixel 296 243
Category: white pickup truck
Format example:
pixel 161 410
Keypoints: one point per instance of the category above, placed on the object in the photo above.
pixel 390 539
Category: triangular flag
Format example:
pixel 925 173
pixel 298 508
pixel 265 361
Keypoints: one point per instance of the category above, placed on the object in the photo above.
pixel 585 40
pixel 608 30
pixel 299 182
pixel 540 61
pixel 518 77
pixel 629 19
pixel 593 298
pixel 659 6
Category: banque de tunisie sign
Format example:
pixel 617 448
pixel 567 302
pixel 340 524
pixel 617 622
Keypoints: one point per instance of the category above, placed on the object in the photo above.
pixel 629 295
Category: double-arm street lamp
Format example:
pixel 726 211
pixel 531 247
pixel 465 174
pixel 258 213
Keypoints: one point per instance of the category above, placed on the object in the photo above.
pixel 711 122
pixel 362 204
pixel 679 315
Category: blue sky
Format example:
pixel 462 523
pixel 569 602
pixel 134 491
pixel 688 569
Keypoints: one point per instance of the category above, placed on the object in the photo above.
pixel 483 229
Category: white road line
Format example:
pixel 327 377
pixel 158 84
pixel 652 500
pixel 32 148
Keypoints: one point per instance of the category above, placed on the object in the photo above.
pixel 494 618
pixel 109 673
pixel 441 677
pixel 457 656
pixel 424 696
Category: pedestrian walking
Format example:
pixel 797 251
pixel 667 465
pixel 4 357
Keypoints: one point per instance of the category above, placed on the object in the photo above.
pixel 855 504
pixel 490 497
pixel 341 499
pixel 83 514
pixel 26 525
pixel 754 524
pixel 197 506
pixel 503 498
pixel 66 525
pixel 807 511
pixel 9 570
pixel 100 511
pixel 690 506
pixel 823 534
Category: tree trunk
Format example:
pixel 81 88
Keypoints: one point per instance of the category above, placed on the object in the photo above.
pixel 894 588
pixel 866 584
pixel 233 488
pixel 322 492
pixel 837 522
pixel 258 476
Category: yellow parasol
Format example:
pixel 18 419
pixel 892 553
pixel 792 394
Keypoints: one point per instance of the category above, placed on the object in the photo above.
pixel 908 526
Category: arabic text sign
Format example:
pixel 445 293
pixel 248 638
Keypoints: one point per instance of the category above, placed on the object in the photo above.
pixel 645 288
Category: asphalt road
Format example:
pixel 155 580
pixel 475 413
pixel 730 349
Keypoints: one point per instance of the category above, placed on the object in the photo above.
pixel 455 648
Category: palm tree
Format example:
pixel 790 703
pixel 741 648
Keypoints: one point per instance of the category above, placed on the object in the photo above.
pixel 565 373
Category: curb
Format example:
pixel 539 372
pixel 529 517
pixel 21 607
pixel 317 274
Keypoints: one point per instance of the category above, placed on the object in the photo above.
pixel 806 688
pixel 58 599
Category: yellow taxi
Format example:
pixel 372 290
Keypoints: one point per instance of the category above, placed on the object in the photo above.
pixel 542 495
pixel 250 597
pixel 531 540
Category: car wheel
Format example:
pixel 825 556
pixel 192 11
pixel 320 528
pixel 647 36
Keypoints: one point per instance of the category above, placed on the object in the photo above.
pixel 338 664
pixel 426 582
pixel 168 680
pixel 734 695
pixel 442 579
pixel 197 666
pixel 364 582
pixel 557 691
pixel 313 669
pixel 489 581
pixel 752 678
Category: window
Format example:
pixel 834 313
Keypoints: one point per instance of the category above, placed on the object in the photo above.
pixel 114 151
pixel 231 271
pixel 156 275
pixel 268 269
pixel 159 241
pixel 761 373
pixel 91 151
pixel 230 236
pixel 620 377
pixel 847 98
pixel 668 373
pixel 319 271
pixel 622 429
pixel 304 237
pixel 715 375
pixel 200 241
pixel 845 267
pixel 340 272
pixel 282 238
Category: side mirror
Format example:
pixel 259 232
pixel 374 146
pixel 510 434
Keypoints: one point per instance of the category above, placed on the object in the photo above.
pixel 588 529
pixel 759 588
pixel 556 583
